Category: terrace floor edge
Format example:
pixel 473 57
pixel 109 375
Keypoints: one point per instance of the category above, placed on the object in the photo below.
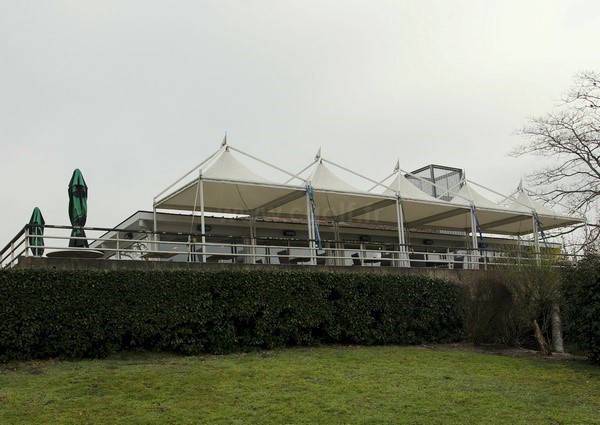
pixel 103 264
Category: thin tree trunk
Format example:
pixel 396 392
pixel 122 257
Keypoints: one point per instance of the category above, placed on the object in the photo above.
pixel 557 336
pixel 544 348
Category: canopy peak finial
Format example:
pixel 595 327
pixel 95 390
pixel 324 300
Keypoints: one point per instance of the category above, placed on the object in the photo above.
pixel 520 186
pixel 224 142
pixel 318 156
pixel 397 167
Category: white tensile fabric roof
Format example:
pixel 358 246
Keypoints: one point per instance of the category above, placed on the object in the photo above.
pixel 229 186
pixel 417 206
pixel 548 219
pixel 489 215
pixel 334 199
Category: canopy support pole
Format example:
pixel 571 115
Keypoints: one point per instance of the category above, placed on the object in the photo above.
pixel 536 240
pixel 401 239
pixel 475 249
pixel 252 240
pixel 311 229
pixel 192 241
pixel 155 229
pixel 202 223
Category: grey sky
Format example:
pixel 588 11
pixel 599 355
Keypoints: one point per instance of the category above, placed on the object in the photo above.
pixel 135 93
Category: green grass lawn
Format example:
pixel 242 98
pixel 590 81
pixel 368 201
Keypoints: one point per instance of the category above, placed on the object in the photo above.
pixel 328 385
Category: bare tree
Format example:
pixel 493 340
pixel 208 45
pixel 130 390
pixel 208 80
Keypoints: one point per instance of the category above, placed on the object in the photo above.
pixel 569 138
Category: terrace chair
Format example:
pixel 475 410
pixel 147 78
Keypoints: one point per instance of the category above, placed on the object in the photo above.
pixel 240 259
pixel 418 259
pixel 386 260
pixel 356 259
pixel 195 254
pixel 284 256
pixel 459 262
pixel 322 259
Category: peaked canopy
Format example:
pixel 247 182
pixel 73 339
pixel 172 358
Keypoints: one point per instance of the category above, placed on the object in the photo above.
pixel 487 214
pixel 334 198
pixel 223 184
pixel 547 218
pixel 418 208
pixel 323 178
pixel 229 187
pixel 468 196
pixel 227 167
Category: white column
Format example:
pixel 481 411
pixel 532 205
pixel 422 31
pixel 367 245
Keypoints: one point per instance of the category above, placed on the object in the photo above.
pixel 536 240
pixel 401 240
pixel 475 251
pixel 154 245
pixel 252 242
pixel 202 224
pixel 154 219
pixel 311 229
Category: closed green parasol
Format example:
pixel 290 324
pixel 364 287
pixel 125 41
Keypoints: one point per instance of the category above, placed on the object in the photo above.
pixel 78 209
pixel 36 231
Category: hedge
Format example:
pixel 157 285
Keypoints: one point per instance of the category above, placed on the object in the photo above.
pixel 90 313
pixel 581 292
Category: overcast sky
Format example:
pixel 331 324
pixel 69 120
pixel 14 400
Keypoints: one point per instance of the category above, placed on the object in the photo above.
pixel 135 93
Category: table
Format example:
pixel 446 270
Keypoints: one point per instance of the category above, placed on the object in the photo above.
pixel 150 255
pixel 71 253
pixel 436 260
pixel 215 258
pixel 372 260
pixel 296 260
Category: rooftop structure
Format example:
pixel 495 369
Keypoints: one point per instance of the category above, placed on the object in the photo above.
pixel 438 181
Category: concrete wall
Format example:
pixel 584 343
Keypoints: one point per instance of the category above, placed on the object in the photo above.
pixel 459 275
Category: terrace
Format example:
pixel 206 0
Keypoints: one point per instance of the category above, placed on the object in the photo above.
pixel 227 241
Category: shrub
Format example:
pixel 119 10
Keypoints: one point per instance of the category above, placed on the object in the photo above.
pixel 487 304
pixel 535 290
pixel 501 305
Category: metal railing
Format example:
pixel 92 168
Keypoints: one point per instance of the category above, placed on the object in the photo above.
pixel 125 244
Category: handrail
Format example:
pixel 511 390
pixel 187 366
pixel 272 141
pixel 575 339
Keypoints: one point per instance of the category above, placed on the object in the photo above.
pixel 13 240
pixel 123 244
